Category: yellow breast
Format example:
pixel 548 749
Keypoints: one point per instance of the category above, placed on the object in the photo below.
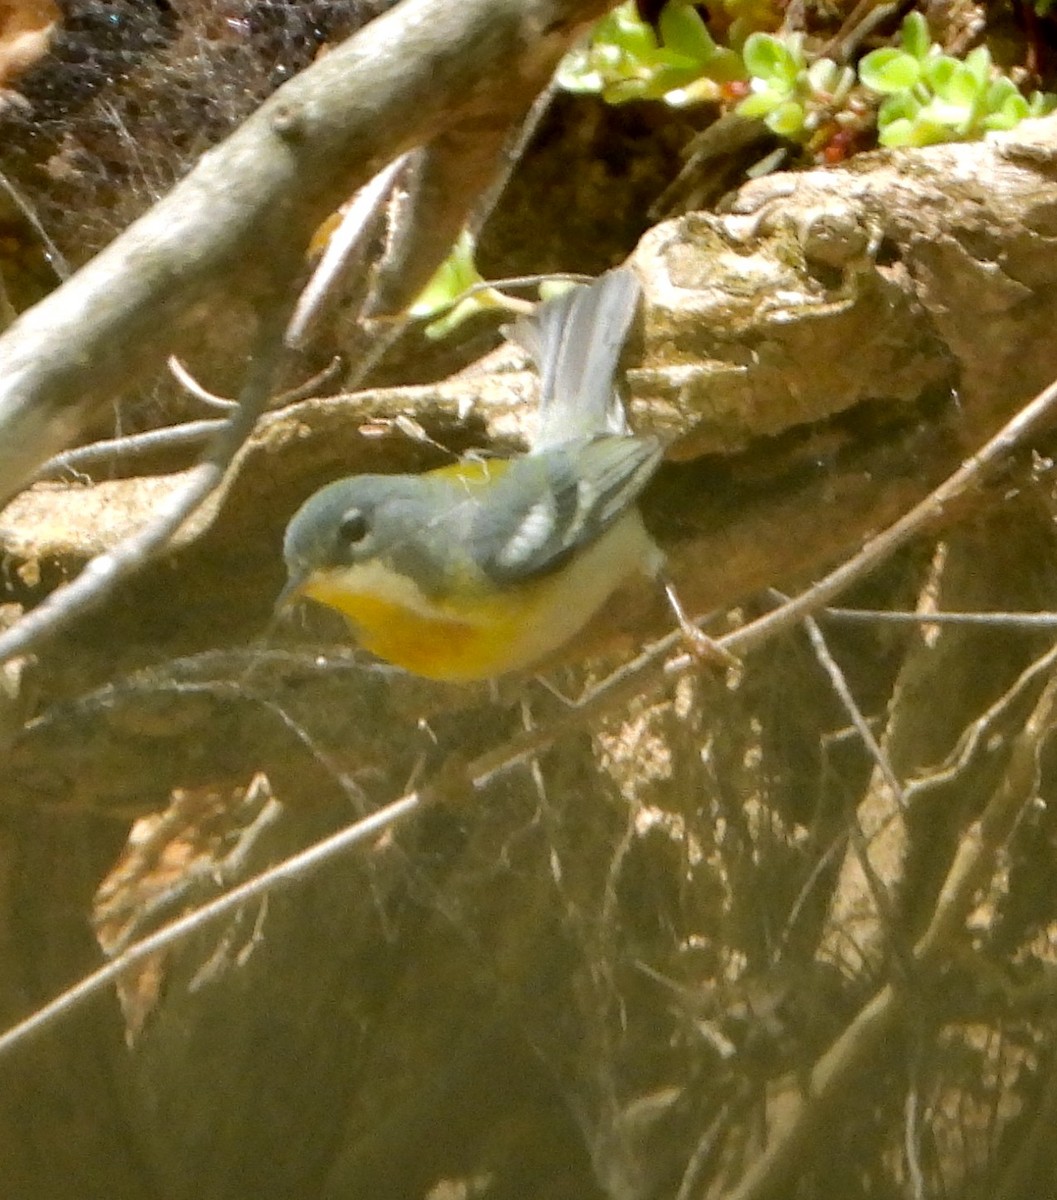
pixel 476 645
pixel 474 636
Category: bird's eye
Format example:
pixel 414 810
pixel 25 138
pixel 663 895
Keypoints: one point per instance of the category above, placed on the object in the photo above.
pixel 353 527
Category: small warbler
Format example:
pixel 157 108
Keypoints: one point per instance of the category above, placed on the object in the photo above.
pixel 486 567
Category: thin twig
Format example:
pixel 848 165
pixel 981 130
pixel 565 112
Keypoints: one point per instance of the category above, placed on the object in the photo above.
pixel 912 1132
pixel 288 873
pixel 864 18
pixel 878 889
pixel 54 255
pixel 986 836
pixel 191 385
pixel 173 437
pixel 512 156
pixel 653 669
pixel 103 574
pixel 844 693
pixel 703 1153
pixel 301 391
pixel 834 1073
pixel 344 252
pixel 132 445
pixel 204 875
pixel 1030 420
pixel 1030 622
pixel 974 734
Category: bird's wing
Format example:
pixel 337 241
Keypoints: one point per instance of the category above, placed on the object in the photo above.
pixel 548 505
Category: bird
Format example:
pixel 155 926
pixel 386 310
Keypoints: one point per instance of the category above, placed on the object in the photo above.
pixel 487 567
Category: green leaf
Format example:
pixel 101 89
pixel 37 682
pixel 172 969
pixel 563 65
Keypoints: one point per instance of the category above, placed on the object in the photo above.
pixel 926 131
pixel 726 66
pixel 767 57
pixel 900 107
pixel 440 297
pixel 576 75
pixel 1008 114
pixel 938 70
pixel 683 31
pixel 889 70
pixel 915 35
pixel 978 62
pixel 674 64
pixel 787 120
pixel 452 318
pixel 655 85
pixel 898 133
pixel 962 88
pixel 623 29
pixel 956 120
pixel 625 61
pixel 998 93
pixel 759 104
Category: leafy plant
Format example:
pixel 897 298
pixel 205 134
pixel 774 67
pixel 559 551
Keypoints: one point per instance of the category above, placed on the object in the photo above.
pixel 928 96
pixel 445 298
pixel 932 97
pixel 788 94
pixel 627 60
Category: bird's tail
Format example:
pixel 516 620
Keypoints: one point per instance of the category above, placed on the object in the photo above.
pixel 575 341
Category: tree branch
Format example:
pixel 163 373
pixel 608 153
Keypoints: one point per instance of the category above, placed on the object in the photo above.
pixel 426 68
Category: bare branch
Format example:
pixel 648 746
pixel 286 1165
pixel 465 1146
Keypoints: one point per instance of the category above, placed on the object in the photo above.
pixel 1030 622
pixel 286 874
pixel 973 861
pixel 172 437
pixel 345 251
pixel 878 887
pixel 426 68
pixel 102 575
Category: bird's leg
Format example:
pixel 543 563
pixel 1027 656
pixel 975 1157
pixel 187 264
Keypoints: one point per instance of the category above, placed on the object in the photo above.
pixel 700 645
